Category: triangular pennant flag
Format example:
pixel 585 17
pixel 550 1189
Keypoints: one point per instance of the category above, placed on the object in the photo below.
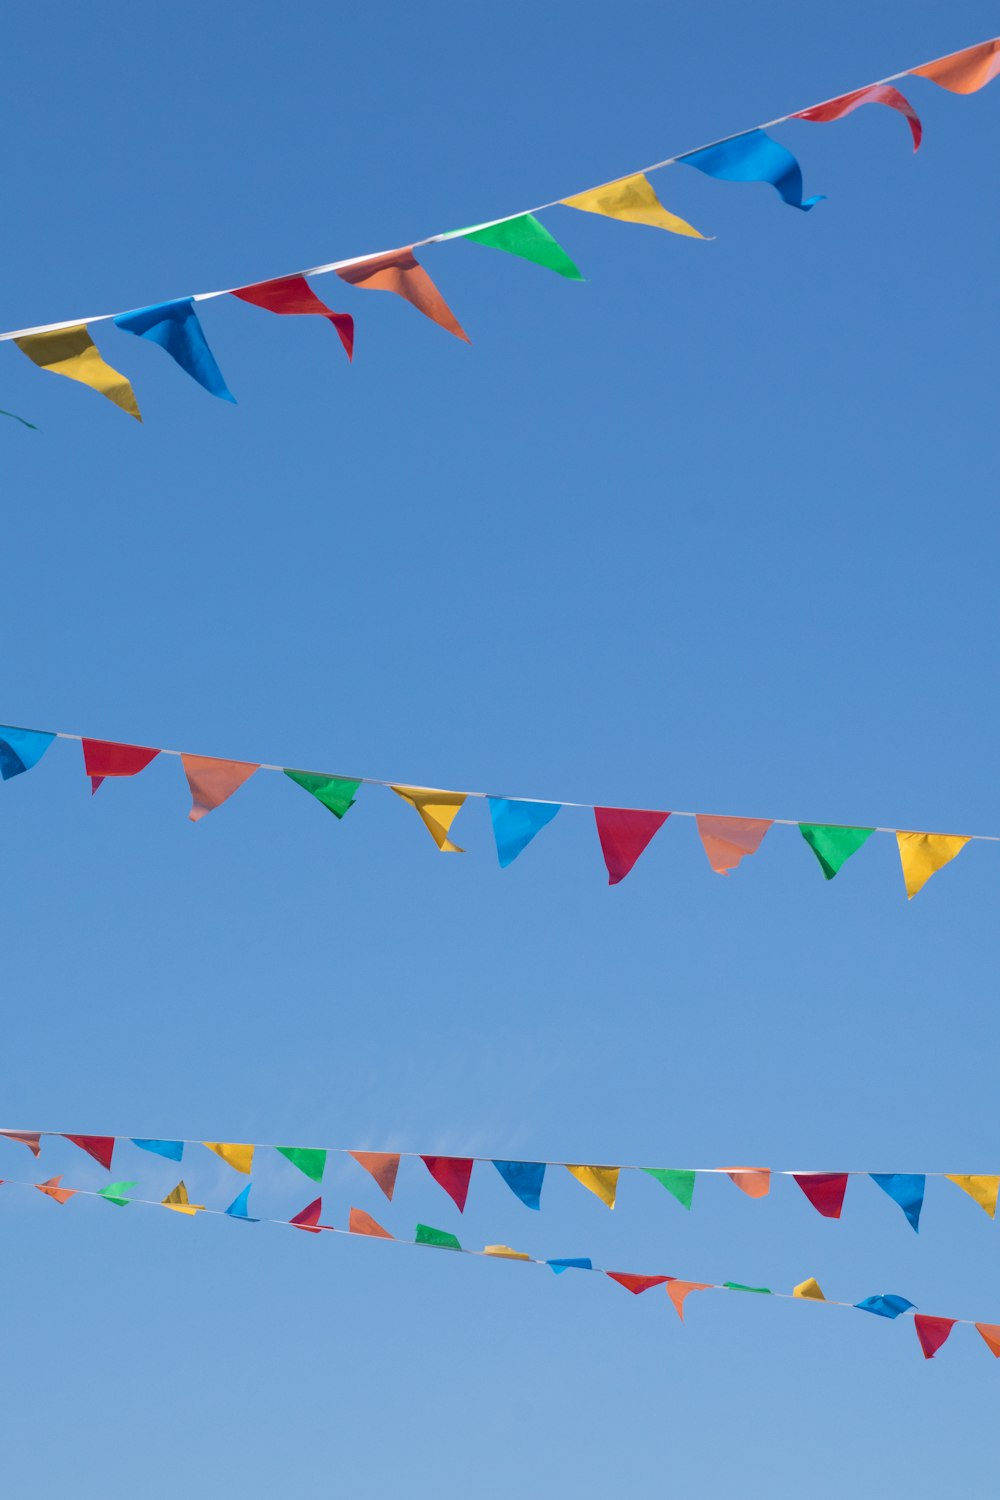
pixel 238 1209
pixel 737 1286
pixel 982 1189
pixel 178 1200
pixel 20 749
pixel 102 758
pixel 212 781
pixel 524 1178
pixel 728 840
pixel 877 93
pixel 383 1166
pixel 237 1155
pixel 361 1223
pixel 678 1182
pixel 515 824
pixel 309 1159
pixel 293 294
pixel 72 352
pixel 753 157
pixel 624 833
pixel 964 72
pixel 523 236
pixel 932 1332
pixel 400 272
pixel 754 1181
pixel 923 854
pixel 100 1147
pixel 452 1173
pixel 602 1181
pixel 439 1238
pixel 884 1305
pixel 51 1189
pixel 636 1284
pixel 825 1191
pixel 116 1192
pixel 30 1138
pixel 633 200
pixel 438 810
pixel 175 327
pixel 833 845
pixel 504 1252
pixel 810 1288
pixel 678 1290
pixel 308 1218
pixel 572 1263
pixel 335 792
pixel 172 1150
pixel 990 1333
pixel 904 1188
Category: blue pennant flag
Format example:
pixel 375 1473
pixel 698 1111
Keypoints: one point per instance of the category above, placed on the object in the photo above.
pixel 516 823
pixel 906 1189
pixel 754 157
pixel 175 327
pixel 20 749
pixel 583 1263
pixel 238 1208
pixel 885 1305
pixel 524 1178
pixel 172 1150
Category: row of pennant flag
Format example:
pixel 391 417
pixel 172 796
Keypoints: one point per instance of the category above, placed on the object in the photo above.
pixel 67 348
pixel 931 1331
pixel 824 1190
pixel 624 832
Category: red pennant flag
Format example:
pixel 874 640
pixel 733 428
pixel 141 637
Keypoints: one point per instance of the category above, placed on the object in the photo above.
pixel 878 93
pixel 400 272
pixel 30 1138
pixel 990 1333
pixel 636 1284
pixel 678 1290
pixel 361 1223
pixel 100 1147
pixel 293 294
pixel 452 1173
pixel 212 781
pixel 51 1189
pixel 308 1219
pixel 932 1332
pixel 624 833
pixel 825 1191
pixel 383 1166
pixel 754 1181
pixel 103 758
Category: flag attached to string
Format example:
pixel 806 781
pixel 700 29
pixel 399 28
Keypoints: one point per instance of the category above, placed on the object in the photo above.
pixel 453 1174
pixel 601 1181
pixel 964 72
pixel 440 1239
pixel 923 854
pixel 906 1189
pixel 400 272
pixel 239 1156
pixel 754 1181
pixel 239 1209
pixel 679 1183
pixel 677 1291
pixel 361 1223
pixel 754 157
pixel 438 811
pixel 833 845
pixel 982 1190
pixel 382 1165
pixel 809 1289
pixel 636 1284
pixel 294 295
pixel 73 353
pixel 335 792
pixel 213 781
pixel 21 749
pixel 117 1193
pixel 178 1200
pixel 633 200
pixel 103 758
pixel 932 1332
pixel 524 1178
pixel 825 1191
pixel 52 1190
pixel 625 833
pixel 728 840
pixel 515 824
pixel 171 1150
pixel 311 1160
pixel 524 236
pixel 30 1138
pixel 884 1305
pixel 308 1218
pixel 100 1147
pixel 176 328
pixel 878 93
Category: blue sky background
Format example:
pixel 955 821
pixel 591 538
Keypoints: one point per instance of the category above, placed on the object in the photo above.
pixel 714 531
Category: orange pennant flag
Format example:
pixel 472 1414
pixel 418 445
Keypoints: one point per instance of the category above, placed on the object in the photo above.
pixel 212 781
pixel 361 1223
pixel 728 840
pixel 991 1334
pixel 383 1166
pixel 438 810
pixel 400 272
pixel 51 1189
pixel 678 1290
pixel 754 1181
pixel 30 1138
pixel 964 72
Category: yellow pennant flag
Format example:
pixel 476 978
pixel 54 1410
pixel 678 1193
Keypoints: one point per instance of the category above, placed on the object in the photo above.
pixel 922 854
pixel 240 1157
pixel 438 811
pixel 631 199
pixel 505 1252
pixel 72 352
pixel 600 1180
pixel 982 1189
pixel 179 1201
pixel 809 1288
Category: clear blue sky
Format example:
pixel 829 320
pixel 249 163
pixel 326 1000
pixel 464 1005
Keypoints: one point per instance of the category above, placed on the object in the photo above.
pixel 715 530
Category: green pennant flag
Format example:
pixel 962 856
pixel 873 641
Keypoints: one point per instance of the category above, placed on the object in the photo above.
pixel 425 1235
pixel 309 1159
pixel 114 1192
pixel 334 792
pixel 680 1183
pixel 737 1286
pixel 833 845
pixel 526 237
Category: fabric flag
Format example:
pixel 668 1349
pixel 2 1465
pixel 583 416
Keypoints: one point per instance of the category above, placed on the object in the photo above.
pixel 383 1166
pixel 361 1223
pixel 452 1173
pixel 504 1252
pixel 178 1200
pixel 633 200
pixel 51 1189
pixel 833 845
pixel 603 1181
pixel 906 1189
pixel 400 272
pixel 982 1189
pixel 572 1263
pixel 825 1191
pixel 172 1150
pixel 309 1159
pixel 102 758
pixel 212 781
pixel 754 157
pixel 678 1290
pixel 72 352
pixel 754 1181
pixel 523 236
pixel 515 824
pixel 175 327
pixel 238 1156
pixel 737 1286
pixel 238 1209
pixel 678 1182
pixel 293 294
pixel 115 1192
pixel 810 1288
pixel 335 792
pixel 624 833
pixel 728 840
pixel 884 1305
pixel 100 1147
pixel 636 1284
pixel 30 1138
pixel 932 1332
pixel 524 1178
pixel 922 854
pixel 439 1238
pixel 308 1218
pixel 877 93
pixel 20 749
pixel 964 72
pixel 438 811
pixel 990 1333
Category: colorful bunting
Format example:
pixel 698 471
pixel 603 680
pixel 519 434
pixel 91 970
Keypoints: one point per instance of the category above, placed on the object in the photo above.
pixel 677 1291
pixel 51 1189
pixel 30 1138
pixel 983 1190
pixel 239 1208
pixel 398 271
pixel 964 72
pixel 293 294
pixel 602 1181
pixel 172 1150
pixel 100 1147
pixel 876 93
pixel 515 824
pixel 810 1289
pixel 906 1189
pixel 636 1284
pixel 382 1165
pixel 624 834
pixel 833 845
pixel 175 327
pixel 308 1159
pixel 212 781
pixel 524 1178
pixel 754 1181
pixel 754 157
pixel 438 811
pixel 884 1305
pixel 237 1155
pixel 453 1174
pixel 680 1183
pixel 923 854
pixel 73 353
pixel 932 1332
pixel 728 840
pixel 504 1252
pixel 178 1200
pixel 361 1223
pixel 21 749
pixel 573 1263
pixel 308 1218
pixel 439 1238
pixel 990 1333
pixel 116 1192
pixel 334 792
pixel 103 758
pixel 825 1191
pixel 633 200
pixel 523 236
